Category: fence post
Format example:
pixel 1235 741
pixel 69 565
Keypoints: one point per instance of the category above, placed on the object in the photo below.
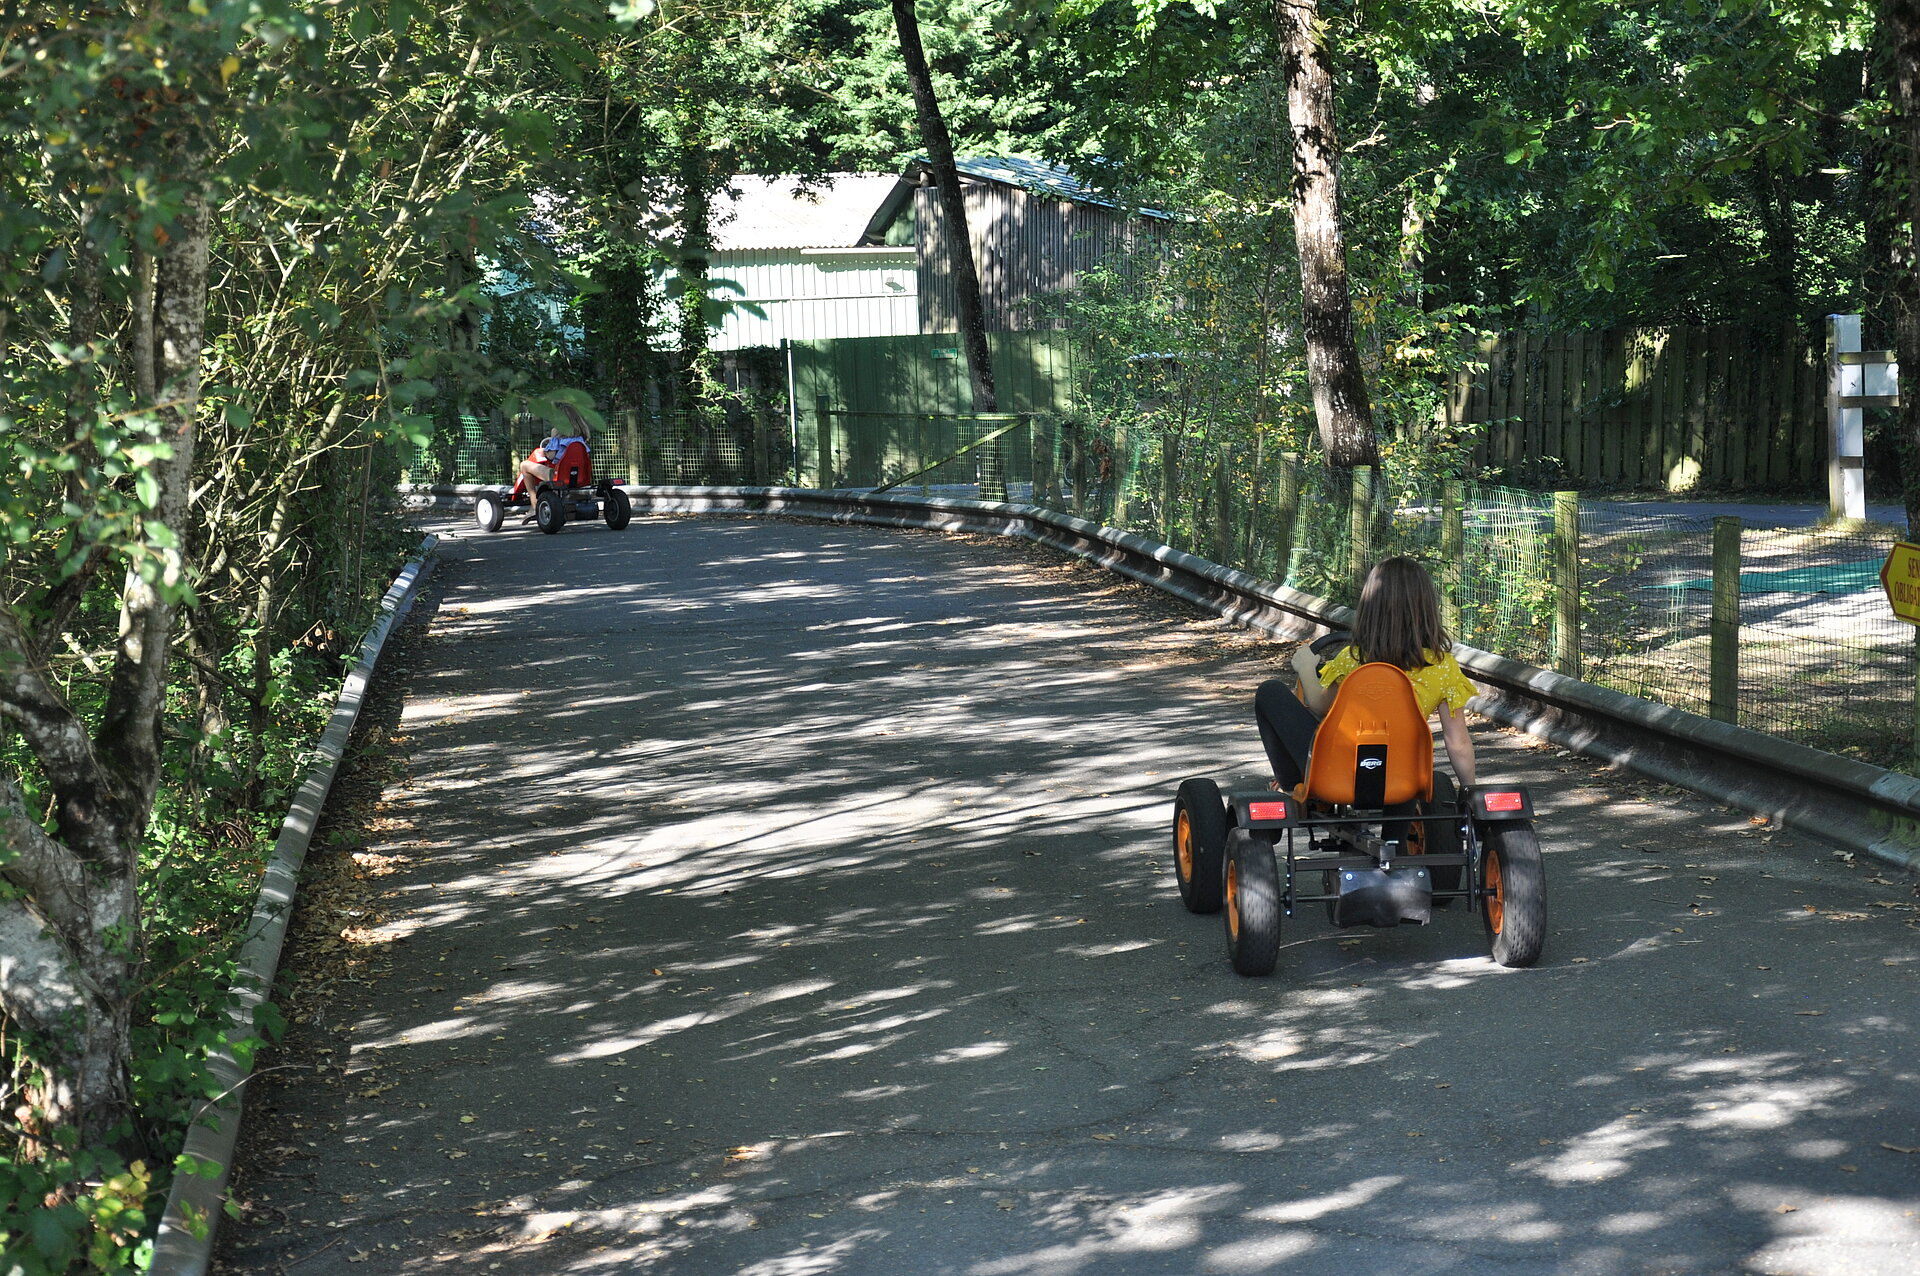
pixel 823 468
pixel 1846 473
pixel 1916 693
pixel 1453 554
pixel 993 467
pixel 1169 486
pixel 1249 543
pixel 1077 449
pixel 1122 473
pixel 630 435
pixel 1360 527
pixel 1039 459
pixel 1223 507
pixel 1286 514
pixel 1566 583
pixel 1723 660
pixel 762 464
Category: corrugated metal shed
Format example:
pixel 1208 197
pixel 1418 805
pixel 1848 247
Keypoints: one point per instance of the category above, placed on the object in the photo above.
pixel 1036 230
pixel 775 295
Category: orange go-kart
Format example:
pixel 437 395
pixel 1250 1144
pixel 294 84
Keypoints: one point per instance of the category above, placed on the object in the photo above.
pixel 570 494
pixel 1373 833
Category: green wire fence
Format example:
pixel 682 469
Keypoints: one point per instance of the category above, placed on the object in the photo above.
pixel 1784 630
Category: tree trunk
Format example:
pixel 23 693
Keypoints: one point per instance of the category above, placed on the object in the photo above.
pixel 1340 404
pixel 69 931
pixel 696 244
pixel 953 208
pixel 1900 38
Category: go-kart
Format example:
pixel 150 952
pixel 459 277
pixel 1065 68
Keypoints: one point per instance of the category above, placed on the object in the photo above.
pixel 570 494
pixel 1374 834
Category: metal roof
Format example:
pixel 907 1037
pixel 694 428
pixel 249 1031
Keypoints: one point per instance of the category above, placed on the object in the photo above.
pixel 791 212
pixel 1037 176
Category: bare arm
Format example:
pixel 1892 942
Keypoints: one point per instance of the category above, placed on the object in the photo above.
pixel 1453 730
pixel 1315 696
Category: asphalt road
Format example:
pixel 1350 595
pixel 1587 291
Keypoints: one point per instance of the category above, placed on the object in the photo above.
pixel 781 899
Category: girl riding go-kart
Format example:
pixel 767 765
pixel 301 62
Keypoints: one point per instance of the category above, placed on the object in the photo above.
pixel 555 484
pixel 1356 817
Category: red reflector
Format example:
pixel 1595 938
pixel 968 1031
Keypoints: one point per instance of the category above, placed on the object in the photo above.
pixel 1266 810
pixel 1505 802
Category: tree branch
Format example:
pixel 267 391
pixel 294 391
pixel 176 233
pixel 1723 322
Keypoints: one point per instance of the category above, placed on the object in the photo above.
pixel 37 864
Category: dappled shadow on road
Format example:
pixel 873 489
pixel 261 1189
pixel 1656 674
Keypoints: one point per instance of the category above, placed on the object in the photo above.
pixel 800 904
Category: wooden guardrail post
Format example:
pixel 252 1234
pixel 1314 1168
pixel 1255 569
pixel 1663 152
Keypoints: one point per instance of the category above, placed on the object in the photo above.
pixel 823 468
pixel 1223 507
pixel 1566 583
pixel 1360 528
pixel 1723 659
pixel 1453 554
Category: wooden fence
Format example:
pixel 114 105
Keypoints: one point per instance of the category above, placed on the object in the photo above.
pixel 1719 407
pixel 1722 407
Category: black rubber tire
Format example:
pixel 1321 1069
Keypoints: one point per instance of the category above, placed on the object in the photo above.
pixel 1443 838
pixel 550 512
pixel 1199 865
pixel 1516 914
pixel 489 511
pixel 619 507
pixel 1252 904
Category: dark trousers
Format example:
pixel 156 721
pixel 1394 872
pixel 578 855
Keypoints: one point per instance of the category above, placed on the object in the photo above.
pixel 1286 729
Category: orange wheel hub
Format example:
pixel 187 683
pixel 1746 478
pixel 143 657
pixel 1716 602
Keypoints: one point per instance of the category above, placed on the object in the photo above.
pixel 1233 899
pixel 1496 895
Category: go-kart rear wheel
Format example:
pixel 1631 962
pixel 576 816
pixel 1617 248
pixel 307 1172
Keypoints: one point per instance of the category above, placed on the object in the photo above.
pixel 489 511
pixel 619 509
pixel 550 511
pixel 1199 844
pixel 1252 903
pixel 1515 906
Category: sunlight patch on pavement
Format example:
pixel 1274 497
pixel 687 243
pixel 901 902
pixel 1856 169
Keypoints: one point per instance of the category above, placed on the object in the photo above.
pixel 1314 1207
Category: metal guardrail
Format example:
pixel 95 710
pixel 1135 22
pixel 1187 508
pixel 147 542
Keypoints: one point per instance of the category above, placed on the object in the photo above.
pixel 1848 803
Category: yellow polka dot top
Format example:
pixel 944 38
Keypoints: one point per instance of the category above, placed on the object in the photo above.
pixel 1439 679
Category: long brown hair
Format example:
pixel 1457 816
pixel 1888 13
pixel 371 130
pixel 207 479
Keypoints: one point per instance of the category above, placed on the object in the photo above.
pixel 1398 619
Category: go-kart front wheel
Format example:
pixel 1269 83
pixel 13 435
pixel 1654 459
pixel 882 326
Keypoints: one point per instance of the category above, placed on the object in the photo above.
pixel 550 512
pixel 489 511
pixel 1252 903
pixel 1515 905
pixel 619 509
pixel 1199 844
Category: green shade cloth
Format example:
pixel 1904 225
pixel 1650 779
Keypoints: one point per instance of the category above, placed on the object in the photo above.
pixel 1827 578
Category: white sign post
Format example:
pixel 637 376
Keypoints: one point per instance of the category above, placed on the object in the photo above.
pixel 1856 379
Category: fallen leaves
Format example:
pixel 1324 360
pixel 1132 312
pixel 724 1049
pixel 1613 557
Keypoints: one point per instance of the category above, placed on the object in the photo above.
pixel 1895 1147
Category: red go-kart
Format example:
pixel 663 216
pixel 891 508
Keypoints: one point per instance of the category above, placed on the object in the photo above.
pixel 570 494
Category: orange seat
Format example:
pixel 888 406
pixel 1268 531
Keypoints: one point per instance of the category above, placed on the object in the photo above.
pixel 1373 749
